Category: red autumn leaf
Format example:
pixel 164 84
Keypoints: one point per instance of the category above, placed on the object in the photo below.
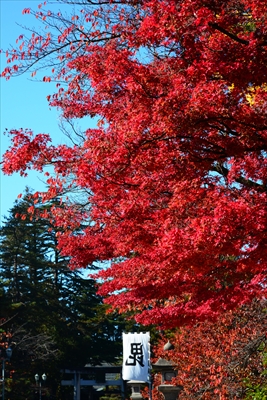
pixel 171 186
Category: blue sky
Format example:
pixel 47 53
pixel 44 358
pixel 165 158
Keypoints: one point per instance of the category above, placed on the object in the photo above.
pixel 23 102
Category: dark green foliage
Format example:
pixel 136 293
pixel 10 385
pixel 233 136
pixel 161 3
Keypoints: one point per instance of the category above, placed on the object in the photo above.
pixel 53 313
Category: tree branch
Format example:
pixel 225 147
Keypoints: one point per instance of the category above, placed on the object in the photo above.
pixel 229 34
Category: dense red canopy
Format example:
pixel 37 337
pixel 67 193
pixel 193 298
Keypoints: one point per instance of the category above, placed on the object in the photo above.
pixel 174 176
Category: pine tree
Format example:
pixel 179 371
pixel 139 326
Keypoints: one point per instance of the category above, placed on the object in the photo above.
pixel 56 318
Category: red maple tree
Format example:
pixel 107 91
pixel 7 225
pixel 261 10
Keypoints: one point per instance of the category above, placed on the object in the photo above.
pixel 221 360
pixel 173 179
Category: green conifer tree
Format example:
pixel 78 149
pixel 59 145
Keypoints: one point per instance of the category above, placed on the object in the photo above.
pixel 54 314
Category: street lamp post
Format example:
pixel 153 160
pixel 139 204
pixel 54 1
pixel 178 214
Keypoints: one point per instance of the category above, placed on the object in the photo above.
pixel 39 379
pixel 7 353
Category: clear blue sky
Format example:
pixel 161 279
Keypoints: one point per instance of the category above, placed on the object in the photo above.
pixel 23 102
